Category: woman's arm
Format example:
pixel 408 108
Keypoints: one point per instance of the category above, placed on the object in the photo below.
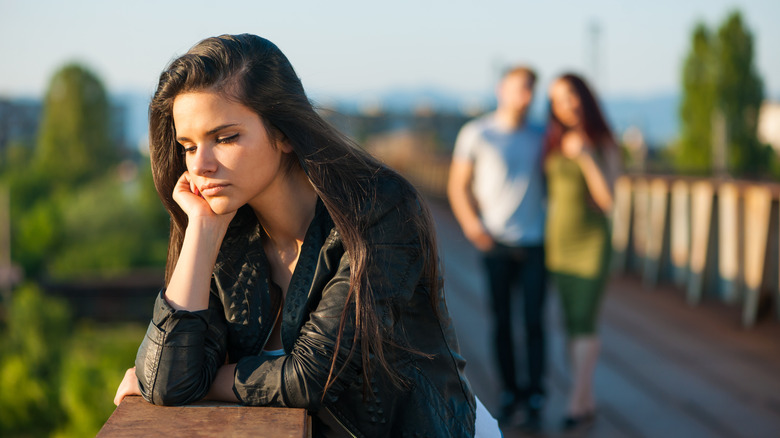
pixel 222 388
pixel 181 353
pixel 185 343
pixel 599 177
pixel 188 288
pixel 464 205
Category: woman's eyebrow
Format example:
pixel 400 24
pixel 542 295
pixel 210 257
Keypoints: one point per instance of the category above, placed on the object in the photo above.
pixel 210 131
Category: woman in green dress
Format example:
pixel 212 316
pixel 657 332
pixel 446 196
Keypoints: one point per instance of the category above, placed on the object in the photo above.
pixel 581 162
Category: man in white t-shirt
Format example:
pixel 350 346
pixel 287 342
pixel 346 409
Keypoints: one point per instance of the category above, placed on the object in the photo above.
pixel 496 190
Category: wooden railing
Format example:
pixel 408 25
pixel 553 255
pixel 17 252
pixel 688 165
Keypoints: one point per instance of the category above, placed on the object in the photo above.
pixel 712 237
pixel 134 417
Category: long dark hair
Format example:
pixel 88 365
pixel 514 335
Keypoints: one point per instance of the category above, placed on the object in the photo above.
pixel 594 123
pixel 254 72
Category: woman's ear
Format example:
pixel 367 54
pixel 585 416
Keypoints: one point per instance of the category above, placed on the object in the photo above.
pixel 284 145
pixel 280 140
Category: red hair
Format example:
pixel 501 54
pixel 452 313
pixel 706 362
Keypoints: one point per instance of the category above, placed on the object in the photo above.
pixel 593 121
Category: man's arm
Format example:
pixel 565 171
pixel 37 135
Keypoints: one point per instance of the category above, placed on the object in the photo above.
pixel 464 205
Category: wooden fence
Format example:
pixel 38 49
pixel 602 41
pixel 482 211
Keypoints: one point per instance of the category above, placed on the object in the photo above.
pixel 714 238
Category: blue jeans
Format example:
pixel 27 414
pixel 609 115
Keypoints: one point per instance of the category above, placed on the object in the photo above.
pixel 521 270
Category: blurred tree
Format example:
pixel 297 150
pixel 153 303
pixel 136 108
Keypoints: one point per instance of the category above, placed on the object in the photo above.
pixel 722 93
pixel 694 151
pixel 128 231
pixel 74 141
pixel 16 155
pixel 740 92
pixel 75 210
pixel 96 362
pixel 57 381
pixel 31 351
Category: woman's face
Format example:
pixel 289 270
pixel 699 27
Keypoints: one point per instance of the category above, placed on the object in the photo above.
pixel 565 103
pixel 228 153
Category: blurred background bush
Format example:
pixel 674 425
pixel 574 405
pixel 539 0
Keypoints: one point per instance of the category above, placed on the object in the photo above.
pixel 81 209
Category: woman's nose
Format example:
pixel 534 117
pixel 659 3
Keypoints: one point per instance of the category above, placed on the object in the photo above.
pixel 202 162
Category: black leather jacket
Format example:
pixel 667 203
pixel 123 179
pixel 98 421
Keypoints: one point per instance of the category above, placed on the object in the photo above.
pixel 182 351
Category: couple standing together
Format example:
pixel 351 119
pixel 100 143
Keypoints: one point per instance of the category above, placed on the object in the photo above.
pixel 536 202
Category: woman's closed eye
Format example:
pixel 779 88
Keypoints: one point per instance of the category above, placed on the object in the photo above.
pixel 220 140
pixel 228 139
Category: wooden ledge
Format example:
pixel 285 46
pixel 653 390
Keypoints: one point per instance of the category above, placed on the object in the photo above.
pixel 135 417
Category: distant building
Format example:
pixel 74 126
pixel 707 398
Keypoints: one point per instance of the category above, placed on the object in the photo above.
pixel 362 126
pixel 118 121
pixel 769 124
pixel 19 120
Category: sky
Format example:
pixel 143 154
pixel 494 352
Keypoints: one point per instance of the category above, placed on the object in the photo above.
pixel 353 48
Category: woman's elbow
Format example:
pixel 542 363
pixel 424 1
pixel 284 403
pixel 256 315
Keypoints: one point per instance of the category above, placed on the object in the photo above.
pixel 164 391
pixel 605 202
pixel 171 397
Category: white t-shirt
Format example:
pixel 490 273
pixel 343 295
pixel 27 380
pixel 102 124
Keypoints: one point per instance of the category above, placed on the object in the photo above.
pixel 485 426
pixel 508 180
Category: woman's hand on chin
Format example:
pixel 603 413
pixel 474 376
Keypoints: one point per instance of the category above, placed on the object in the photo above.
pixel 194 205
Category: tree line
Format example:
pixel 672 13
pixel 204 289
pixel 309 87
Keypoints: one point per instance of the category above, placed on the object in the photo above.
pixel 722 93
pixel 80 206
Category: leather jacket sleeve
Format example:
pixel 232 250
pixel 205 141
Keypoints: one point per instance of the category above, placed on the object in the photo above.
pixel 298 379
pixel 181 352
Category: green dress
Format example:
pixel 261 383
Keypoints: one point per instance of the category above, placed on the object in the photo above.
pixel 577 244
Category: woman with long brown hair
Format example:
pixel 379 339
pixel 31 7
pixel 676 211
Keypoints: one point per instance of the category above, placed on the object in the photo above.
pixel 301 272
pixel 581 163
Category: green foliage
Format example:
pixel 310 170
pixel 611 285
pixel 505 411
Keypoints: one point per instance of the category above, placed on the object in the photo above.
pixel 73 212
pixel 73 140
pixel 32 349
pixel 740 92
pixel 102 227
pixel 108 227
pixel 37 233
pixel 57 381
pixel 16 156
pixel 719 77
pixel 95 364
pixel 694 151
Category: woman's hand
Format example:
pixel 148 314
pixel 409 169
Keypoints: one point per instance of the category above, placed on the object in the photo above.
pixel 129 386
pixel 194 205
pixel 187 195
pixel 576 146
pixel 573 144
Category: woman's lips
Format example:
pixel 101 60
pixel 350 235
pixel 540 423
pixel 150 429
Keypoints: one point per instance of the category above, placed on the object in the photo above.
pixel 212 189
